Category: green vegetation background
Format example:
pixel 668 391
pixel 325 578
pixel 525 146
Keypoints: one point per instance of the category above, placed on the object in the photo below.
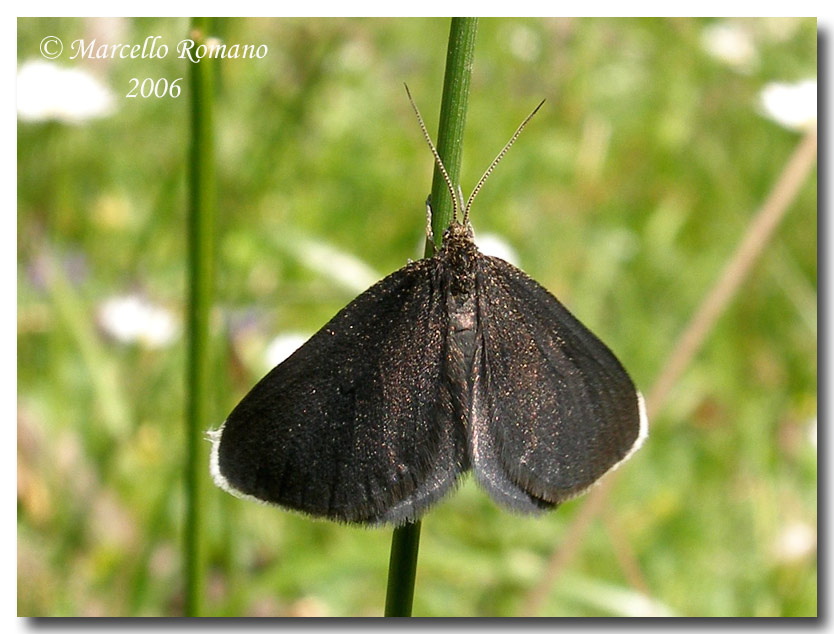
pixel 624 196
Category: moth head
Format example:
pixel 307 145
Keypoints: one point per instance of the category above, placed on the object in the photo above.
pixel 458 231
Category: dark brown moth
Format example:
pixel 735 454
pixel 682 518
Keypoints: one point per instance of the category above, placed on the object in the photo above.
pixel 455 362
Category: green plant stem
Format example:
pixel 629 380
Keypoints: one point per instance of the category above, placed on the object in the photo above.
pixel 460 56
pixel 405 542
pixel 200 283
pixel 402 568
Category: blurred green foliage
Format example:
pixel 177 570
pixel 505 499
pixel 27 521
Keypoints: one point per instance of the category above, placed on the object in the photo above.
pixel 624 196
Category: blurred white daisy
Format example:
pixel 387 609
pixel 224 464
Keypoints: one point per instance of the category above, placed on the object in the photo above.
pixel 796 541
pixel 47 91
pixel 134 319
pixel 495 245
pixel 793 106
pixel 731 43
pixel 282 347
pixel 525 43
pixel 345 269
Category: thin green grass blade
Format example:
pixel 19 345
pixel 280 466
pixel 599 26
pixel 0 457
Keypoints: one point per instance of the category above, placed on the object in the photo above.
pixel 200 285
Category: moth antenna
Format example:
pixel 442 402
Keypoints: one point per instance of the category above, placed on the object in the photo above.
pixel 495 162
pixel 437 159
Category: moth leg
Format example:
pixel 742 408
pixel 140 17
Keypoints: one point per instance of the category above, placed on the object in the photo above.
pixel 429 232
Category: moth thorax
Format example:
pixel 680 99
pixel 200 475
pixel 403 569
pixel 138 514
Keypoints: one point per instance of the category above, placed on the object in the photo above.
pixel 460 253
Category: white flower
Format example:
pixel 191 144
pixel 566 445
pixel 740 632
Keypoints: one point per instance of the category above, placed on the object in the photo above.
pixel 47 91
pixel 525 43
pixel 133 319
pixel 495 245
pixel 793 106
pixel 731 43
pixel 345 269
pixel 796 541
pixel 283 346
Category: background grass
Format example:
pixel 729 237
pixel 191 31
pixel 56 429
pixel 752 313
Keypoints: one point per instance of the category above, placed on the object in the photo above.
pixel 624 196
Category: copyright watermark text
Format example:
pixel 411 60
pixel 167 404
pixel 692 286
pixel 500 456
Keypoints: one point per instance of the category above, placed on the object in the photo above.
pixel 152 48
pixel 51 47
